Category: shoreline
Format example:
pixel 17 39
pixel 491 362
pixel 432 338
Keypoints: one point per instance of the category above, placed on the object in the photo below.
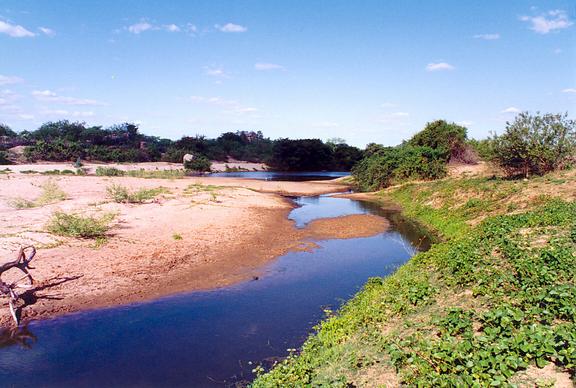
pixel 131 267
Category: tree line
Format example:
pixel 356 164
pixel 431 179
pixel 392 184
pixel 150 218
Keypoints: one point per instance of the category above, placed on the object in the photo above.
pixel 63 140
pixel 533 144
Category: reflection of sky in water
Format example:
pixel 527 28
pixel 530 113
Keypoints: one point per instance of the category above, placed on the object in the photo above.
pixel 209 338
pixel 282 176
pixel 323 206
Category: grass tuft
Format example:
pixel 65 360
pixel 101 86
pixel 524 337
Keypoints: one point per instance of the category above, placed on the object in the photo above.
pixel 80 226
pixel 122 194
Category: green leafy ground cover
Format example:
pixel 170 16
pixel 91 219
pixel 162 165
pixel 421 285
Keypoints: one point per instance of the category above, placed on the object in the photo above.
pixel 494 298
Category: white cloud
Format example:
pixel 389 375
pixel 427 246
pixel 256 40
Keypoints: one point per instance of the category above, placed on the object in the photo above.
pixel 229 106
pixel 551 21
pixel 326 124
pixel 66 113
pixel 395 117
pixel 511 109
pixel 569 90
pixel 268 66
pixel 25 116
pixel 487 36
pixel 388 105
pixel 231 27
pixel 439 66
pixel 9 79
pixel 50 96
pixel 47 31
pixel 15 31
pixel 138 28
pixel 216 72
pixel 63 112
pixel 465 123
pixel 172 28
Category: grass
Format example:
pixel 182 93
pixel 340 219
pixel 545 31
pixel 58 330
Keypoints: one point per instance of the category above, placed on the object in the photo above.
pixel 122 194
pixel 177 236
pixel 495 297
pixel 212 190
pixel 51 193
pixel 141 173
pixel 80 226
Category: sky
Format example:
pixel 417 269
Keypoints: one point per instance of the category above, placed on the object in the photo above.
pixel 365 71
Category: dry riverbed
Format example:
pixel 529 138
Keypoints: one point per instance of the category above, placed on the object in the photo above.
pixel 198 233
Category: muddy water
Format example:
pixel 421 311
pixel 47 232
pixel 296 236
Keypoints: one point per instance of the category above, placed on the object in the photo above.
pixel 212 338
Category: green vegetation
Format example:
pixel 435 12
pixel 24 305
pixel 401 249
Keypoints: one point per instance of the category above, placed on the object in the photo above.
pixel 51 193
pixel 536 144
pixel 424 157
pixel 122 194
pixel 493 298
pixel 74 141
pixel 79 226
pixel 177 236
pixel 141 173
pixel 199 163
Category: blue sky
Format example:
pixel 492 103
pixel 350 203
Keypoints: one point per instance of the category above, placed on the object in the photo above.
pixel 366 71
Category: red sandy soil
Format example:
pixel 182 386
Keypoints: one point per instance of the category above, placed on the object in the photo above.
pixel 185 239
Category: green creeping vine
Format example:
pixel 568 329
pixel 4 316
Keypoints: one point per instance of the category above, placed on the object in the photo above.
pixel 520 273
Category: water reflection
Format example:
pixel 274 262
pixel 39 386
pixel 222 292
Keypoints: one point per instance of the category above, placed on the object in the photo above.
pixel 20 336
pixel 211 338
pixel 282 176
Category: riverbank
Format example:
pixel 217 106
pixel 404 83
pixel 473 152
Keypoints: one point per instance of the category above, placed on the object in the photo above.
pixel 493 303
pixel 191 234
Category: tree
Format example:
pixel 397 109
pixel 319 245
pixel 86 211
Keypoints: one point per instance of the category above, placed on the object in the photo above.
pixel 5 130
pixel 536 144
pixel 447 138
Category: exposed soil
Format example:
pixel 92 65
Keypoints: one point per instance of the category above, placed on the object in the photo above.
pixel 200 233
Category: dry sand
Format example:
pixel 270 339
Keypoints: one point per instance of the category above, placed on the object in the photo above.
pixel 188 238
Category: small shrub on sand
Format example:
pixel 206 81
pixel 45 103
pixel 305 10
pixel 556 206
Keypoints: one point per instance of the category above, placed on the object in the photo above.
pixel 51 193
pixel 177 236
pixel 157 174
pixel 109 171
pixel 76 225
pixel 122 194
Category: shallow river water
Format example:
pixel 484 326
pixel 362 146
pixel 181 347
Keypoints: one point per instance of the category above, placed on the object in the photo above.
pixel 211 338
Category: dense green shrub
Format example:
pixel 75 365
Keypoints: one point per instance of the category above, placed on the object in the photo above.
pixel 4 158
pixel 200 163
pixel 536 144
pixel 301 155
pixel 58 150
pixel 109 171
pixel 395 164
pixel 449 139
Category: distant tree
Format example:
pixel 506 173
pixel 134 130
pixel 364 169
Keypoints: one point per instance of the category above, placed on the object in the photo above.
pixel 63 130
pixel 5 130
pixel 345 156
pixel 199 163
pixel 301 155
pixel 536 144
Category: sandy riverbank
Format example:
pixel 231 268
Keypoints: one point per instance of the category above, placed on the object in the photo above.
pixel 200 233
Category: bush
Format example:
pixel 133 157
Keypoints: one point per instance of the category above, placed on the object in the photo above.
pixel 200 163
pixel 109 171
pixel 51 193
pixel 121 194
pixel 449 139
pixel 4 158
pixel 483 148
pixel 57 151
pixel 75 225
pixel 387 165
pixel 535 145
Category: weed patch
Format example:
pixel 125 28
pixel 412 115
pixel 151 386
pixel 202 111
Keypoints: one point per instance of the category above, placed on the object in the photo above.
pixel 80 226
